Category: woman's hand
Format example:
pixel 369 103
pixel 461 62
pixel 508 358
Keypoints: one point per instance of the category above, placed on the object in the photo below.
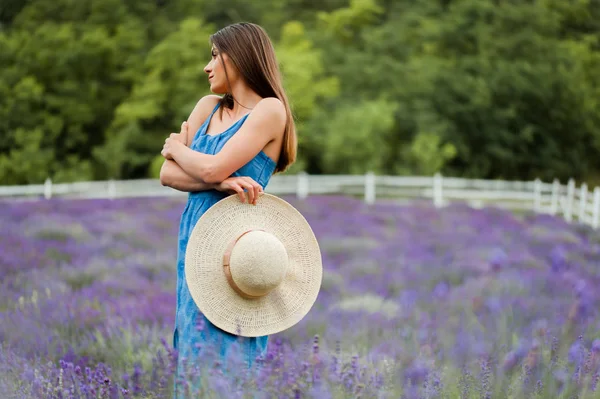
pixel 237 185
pixel 169 145
pixel 183 133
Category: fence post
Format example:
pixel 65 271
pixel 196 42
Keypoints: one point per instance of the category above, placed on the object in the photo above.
pixel 370 188
pixel 438 199
pixel 570 198
pixel 112 189
pixel 596 210
pixel 582 203
pixel 537 195
pixel 555 193
pixel 302 185
pixel 48 188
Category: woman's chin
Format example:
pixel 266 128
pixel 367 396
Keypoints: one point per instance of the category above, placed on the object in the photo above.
pixel 217 89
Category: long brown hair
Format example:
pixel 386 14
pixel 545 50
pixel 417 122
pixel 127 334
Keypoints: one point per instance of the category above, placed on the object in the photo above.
pixel 250 50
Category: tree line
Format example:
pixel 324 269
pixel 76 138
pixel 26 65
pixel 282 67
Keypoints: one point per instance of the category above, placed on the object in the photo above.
pixel 476 88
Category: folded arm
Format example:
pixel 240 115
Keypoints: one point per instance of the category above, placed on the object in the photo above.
pixel 171 174
pixel 264 124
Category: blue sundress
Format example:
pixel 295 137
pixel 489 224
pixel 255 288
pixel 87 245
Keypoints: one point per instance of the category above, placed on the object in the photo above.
pixel 193 333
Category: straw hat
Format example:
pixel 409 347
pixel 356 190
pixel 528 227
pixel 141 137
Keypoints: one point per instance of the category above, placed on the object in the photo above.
pixel 253 270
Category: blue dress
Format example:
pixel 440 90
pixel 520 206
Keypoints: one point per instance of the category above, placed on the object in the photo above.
pixel 194 335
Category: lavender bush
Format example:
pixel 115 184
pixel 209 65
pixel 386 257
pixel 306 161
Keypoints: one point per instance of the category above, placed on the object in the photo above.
pixel 416 302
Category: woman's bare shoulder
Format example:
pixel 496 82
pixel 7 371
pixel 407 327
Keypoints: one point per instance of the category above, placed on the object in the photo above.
pixel 205 105
pixel 272 111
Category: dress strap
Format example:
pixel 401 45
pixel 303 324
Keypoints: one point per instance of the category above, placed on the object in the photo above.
pixel 206 122
pixel 214 109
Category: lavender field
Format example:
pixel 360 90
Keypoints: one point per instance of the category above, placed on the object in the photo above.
pixel 416 302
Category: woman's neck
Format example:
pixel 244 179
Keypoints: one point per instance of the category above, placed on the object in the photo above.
pixel 245 99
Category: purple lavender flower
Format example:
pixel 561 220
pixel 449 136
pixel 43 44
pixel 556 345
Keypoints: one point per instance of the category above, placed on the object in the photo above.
pixel 498 259
pixel 575 354
pixel 97 288
pixel 558 259
pixel 441 289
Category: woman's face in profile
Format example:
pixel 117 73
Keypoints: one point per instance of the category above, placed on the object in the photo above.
pixel 216 72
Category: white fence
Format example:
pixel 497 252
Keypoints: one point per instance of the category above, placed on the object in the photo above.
pixel 571 202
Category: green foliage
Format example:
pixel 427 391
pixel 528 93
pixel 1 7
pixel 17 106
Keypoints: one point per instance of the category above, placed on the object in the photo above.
pixel 501 101
pixel 89 90
pixel 356 139
pixel 345 23
pixel 162 96
pixel 427 155
pixel 302 67
pixel 306 84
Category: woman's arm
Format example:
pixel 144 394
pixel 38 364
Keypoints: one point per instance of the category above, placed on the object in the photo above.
pixel 264 124
pixel 240 185
pixel 173 176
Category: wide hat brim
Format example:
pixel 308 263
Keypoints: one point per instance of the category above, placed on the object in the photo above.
pixel 282 307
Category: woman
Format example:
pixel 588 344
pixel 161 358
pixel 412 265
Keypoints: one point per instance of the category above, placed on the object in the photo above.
pixel 241 139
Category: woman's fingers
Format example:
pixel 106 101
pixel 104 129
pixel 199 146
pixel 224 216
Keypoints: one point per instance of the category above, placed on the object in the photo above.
pixel 255 187
pixel 239 190
pixel 248 186
pixel 242 184
pixel 184 131
pixel 241 187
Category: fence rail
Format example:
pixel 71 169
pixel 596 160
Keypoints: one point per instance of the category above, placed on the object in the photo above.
pixel 571 202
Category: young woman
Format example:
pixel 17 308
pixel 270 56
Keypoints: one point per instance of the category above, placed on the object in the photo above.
pixel 233 142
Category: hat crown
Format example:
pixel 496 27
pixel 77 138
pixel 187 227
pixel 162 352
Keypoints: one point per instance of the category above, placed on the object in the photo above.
pixel 258 262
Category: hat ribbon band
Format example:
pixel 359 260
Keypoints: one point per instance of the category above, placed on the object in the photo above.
pixel 227 270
